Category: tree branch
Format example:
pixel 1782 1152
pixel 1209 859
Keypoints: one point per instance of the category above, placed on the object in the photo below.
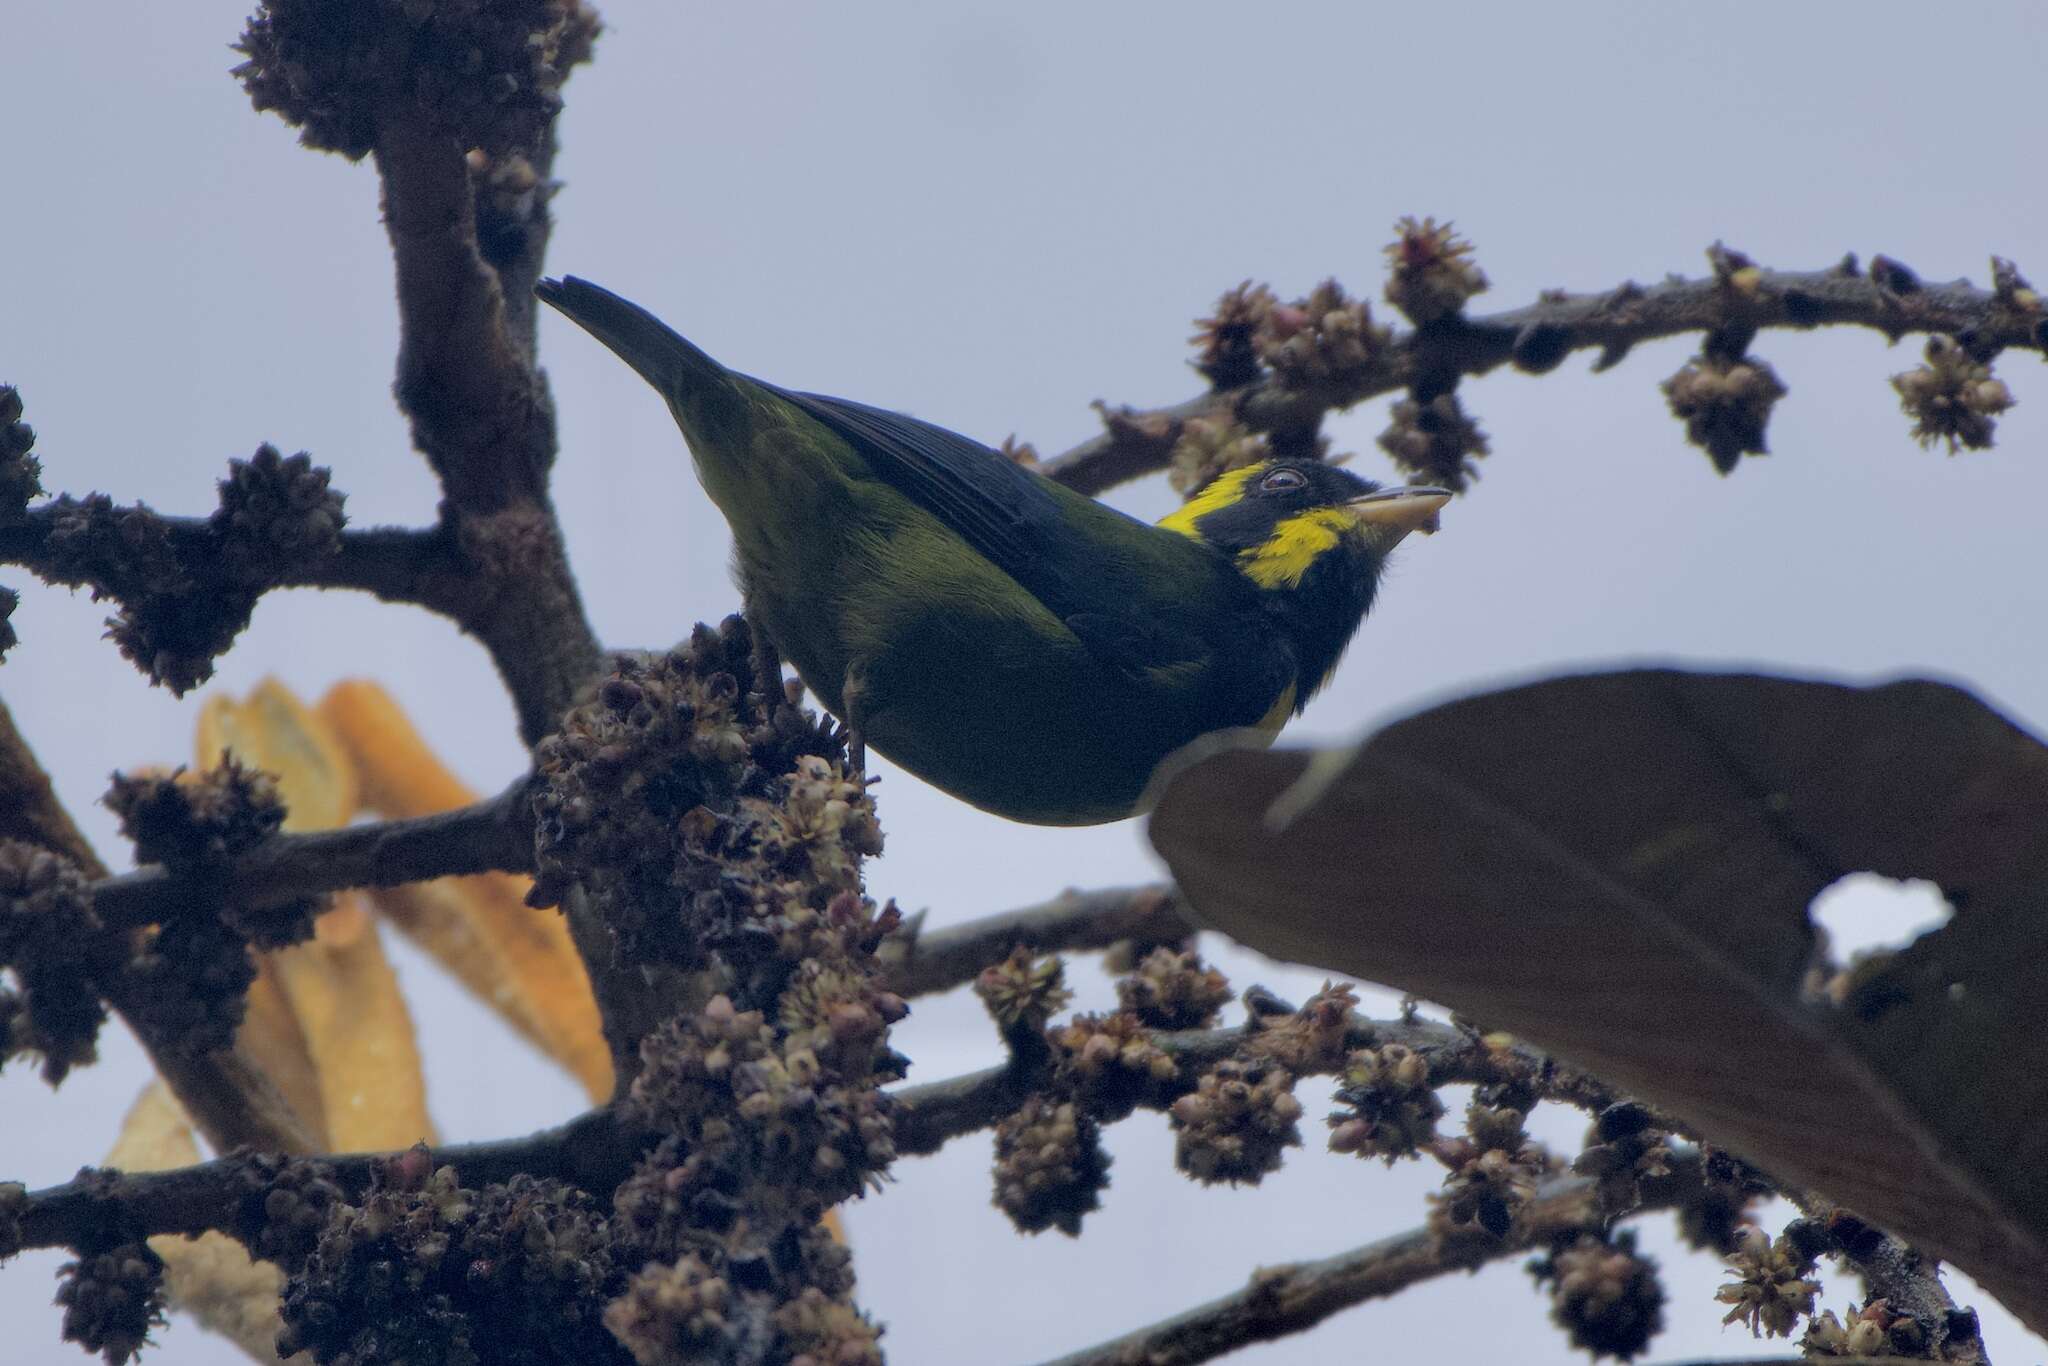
pixel 928 1115
pixel 1887 298
pixel 229 1099
pixel 479 405
pixel 175 570
pixel 1893 1271
pixel 488 836
pixel 1282 1300
pixel 920 964
pixel 591 1151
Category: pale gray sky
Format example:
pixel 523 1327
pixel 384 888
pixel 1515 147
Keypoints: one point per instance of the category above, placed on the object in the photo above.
pixel 990 216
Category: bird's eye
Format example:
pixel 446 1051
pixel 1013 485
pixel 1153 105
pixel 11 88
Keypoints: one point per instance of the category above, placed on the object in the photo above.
pixel 1282 480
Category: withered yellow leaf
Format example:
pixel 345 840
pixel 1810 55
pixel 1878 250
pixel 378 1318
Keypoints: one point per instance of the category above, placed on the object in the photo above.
pixel 353 1069
pixel 519 961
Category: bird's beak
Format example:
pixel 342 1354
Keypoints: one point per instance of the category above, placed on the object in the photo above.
pixel 1397 511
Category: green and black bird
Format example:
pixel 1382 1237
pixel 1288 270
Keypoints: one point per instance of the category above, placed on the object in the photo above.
pixel 1013 642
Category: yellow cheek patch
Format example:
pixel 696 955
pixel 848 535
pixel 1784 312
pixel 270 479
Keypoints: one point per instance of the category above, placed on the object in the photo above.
pixel 1282 558
pixel 1221 492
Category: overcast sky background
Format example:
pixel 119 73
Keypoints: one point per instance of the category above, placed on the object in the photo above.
pixel 990 216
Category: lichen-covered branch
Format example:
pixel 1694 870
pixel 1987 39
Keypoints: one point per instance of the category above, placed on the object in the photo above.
pixel 1277 369
pixel 1283 1300
pixel 489 836
pixel 921 962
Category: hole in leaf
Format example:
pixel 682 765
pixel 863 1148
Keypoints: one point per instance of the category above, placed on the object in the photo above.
pixel 1863 912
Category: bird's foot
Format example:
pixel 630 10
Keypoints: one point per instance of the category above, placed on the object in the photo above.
pixel 767 671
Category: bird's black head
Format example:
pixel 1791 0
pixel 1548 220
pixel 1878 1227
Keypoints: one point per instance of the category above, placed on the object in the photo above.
pixel 1312 538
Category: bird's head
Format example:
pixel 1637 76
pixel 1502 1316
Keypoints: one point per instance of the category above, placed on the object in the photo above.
pixel 1313 538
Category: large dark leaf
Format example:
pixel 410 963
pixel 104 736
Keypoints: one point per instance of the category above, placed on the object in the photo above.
pixel 1618 868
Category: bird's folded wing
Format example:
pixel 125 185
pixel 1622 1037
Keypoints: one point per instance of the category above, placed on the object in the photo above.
pixel 1086 562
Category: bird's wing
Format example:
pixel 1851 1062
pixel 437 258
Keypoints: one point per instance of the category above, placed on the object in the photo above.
pixel 1094 568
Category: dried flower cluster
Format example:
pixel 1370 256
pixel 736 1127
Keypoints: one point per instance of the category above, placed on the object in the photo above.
pixel 489 74
pixel 1716 1217
pixel 1390 1109
pixel 51 940
pixel 1725 402
pixel 1023 991
pixel 715 831
pixel 1173 989
pixel 1326 343
pixel 1494 1170
pixel 20 472
pixel 1226 342
pixel 1050 1166
pixel 1112 1063
pixel 1605 1294
pixel 423 1269
pixel 1624 1148
pixel 196 962
pixel 284 1207
pixel 111 1300
pixel 186 591
pixel 676 770
pixel 1773 1285
pixel 1431 273
pixel 276 512
pixel 1236 1123
pixel 1953 397
pixel 1434 442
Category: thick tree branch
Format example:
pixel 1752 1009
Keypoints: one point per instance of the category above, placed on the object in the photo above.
pixel 921 963
pixel 1886 298
pixel 927 1116
pixel 486 837
pixel 590 1151
pixel 1282 1300
pixel 479 406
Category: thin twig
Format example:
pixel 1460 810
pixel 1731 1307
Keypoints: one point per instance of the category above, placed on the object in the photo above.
pixel 485 837
pixel 1541 335
pixel 929 1115
pixel 920 963
pixel 1283 1300
pixel 591 1151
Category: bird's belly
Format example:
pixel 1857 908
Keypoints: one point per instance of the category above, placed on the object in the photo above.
pixel 1005 709
pixel 949 669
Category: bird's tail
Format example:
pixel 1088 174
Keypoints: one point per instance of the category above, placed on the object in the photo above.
pixel 661 357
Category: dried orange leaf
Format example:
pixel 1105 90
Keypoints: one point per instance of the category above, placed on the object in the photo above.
pixel 519 961
pixel 1618 867
pixel 349 1060
pixel 482 931
pixel 272 1040
pixel 211 1277
pixel 274 731
pixel 360 1034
